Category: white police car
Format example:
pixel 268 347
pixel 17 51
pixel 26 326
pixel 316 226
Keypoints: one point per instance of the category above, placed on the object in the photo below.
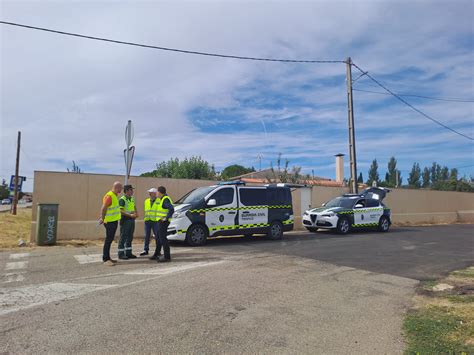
pixel 351 211
pixel 232 208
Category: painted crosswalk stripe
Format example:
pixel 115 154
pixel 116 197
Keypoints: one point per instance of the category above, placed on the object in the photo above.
pixel 88 258
pixel 161 270
pixel 15 265
pixel 13 277
pixel 16 299
pixel 19 255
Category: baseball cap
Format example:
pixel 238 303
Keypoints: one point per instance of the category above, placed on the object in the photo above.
pixel 153 190
pixel 128 187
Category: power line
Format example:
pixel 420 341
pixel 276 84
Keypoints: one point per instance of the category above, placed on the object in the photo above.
pixel 167 48
pixel 420 96
pixel 410 105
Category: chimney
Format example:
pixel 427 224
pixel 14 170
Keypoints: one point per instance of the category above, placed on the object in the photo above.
pixel 339 167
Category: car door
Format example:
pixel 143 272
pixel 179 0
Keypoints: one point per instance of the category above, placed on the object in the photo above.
pixel 360 214
pixel 374 210
pixel 223 214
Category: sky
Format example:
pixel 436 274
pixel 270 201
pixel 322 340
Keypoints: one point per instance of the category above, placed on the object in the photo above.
pixel 71 98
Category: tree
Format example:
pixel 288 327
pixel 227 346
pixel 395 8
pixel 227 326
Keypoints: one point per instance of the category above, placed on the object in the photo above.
pixel 444 174
pixel 435 172
pixel 453 175
pixel 373 173
pixel 392 173
pixel 360 179
pixel 414 176
pixel 235 170
pixel 189 168
pixel 425 176
pixel 75 168
pixel 4 191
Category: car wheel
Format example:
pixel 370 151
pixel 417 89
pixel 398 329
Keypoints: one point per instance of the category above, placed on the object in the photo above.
pixel 312 230
pixel 196 235
pixel 275 231
pixel 384 224
pixel 343 225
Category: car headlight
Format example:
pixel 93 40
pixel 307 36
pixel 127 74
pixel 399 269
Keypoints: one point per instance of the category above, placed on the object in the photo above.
pixel 180 214
pixel 305 213
pixel 330 214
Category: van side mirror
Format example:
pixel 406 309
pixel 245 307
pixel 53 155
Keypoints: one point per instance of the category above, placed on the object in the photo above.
pixel 359 205
pixel 324 204
pixel 212 202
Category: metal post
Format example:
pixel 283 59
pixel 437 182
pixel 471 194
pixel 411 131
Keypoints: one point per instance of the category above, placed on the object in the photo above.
pixel 17 168
pixel 128 139
pixel 350 111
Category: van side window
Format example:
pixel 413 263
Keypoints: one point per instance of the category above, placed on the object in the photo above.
pixel 279 196
pixel 372 203
pixel 253 197
pixel 223 196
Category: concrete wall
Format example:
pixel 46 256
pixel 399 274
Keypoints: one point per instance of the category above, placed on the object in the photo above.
pixel 80 198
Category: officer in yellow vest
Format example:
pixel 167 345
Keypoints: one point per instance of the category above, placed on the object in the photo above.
pixel 164 213
pixel 129 213
pixel 151 219
pixel 109 217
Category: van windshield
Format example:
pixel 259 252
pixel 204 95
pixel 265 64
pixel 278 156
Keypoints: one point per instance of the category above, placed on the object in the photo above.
pixel 195 195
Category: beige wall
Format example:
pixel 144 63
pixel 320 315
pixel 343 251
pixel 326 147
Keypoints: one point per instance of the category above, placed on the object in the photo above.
pixel 80 197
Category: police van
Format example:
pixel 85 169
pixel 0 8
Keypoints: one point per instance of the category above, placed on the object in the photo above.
pixel 232 208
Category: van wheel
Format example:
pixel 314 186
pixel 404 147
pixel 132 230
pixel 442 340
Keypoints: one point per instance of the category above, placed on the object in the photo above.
pixel 343 225
pixel 196 235
pixel 275 231
pixel 384 224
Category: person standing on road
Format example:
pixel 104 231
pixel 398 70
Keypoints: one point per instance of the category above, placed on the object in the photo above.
pixel 109 217
pixel 129 213
pixel 165 211
pixel 151 219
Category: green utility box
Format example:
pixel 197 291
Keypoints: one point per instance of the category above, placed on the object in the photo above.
pixel 47 223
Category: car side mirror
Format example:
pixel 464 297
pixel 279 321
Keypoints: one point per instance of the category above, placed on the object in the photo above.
pixel 212 202
pixel 359 206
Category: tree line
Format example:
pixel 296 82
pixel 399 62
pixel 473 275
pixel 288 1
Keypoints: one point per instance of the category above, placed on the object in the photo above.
pixel 434 177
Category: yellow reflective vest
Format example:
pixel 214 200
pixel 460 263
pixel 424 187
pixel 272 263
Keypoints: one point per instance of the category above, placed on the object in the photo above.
pixel 163 212
pixel 113 211
pixel 151 210
pixel 129 204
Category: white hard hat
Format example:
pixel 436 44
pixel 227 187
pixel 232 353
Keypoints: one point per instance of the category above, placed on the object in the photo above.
pixel 153 190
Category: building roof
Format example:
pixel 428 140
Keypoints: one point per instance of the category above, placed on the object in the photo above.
pixel 267 176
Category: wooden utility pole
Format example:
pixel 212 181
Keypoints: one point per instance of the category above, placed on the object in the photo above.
pixel 353 187
pixel 17 170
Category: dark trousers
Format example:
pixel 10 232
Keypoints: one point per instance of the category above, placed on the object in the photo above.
pixel 150 226
pixel 110 229
pixel 162 240
pixel 127 228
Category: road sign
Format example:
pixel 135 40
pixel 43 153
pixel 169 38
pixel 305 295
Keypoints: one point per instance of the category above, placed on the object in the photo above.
pixel 20 182
pixel 129 133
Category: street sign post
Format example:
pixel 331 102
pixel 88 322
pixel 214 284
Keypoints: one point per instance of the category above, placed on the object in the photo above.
pixel 129 152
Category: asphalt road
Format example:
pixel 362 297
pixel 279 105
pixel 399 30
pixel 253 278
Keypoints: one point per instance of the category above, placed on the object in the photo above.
pixel 309 293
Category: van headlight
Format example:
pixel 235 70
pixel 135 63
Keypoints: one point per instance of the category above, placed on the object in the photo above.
pixel 179 214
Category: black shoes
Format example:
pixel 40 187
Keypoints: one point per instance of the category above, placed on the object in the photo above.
pixel 163 260
pixel 143 253
pixel 123 257
pixel 154 257
pixel 131 256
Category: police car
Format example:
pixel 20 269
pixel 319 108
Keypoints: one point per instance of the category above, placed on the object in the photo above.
pixel 351 211
pixel 232 208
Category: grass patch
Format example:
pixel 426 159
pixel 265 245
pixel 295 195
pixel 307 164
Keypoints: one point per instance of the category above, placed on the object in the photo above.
pixel 442 322
pixel 13 228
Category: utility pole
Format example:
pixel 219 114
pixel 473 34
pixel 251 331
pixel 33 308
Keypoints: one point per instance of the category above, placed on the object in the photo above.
pixel 353 187
pixel 17 170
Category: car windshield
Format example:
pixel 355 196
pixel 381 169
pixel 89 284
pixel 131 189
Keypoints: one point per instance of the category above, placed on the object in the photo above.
pixel 195 195
pixel 341 202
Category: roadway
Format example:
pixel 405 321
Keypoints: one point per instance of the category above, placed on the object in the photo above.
pixel 308 293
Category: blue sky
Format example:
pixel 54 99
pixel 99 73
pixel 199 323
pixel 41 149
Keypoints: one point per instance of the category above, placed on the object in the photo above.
pixel 71 98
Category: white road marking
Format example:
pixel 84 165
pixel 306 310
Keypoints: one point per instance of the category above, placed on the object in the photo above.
pixel 88 258
pixel 19 255
pixel 16 265
pixel 13 300
pixel 13 277
pixel 162 270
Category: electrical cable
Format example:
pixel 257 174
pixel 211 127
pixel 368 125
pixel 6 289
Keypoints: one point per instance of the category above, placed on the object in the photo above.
pixel 419 96
pixel 410 105
pixel 185 51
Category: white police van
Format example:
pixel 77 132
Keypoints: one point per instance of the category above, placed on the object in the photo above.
pixel 232 208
